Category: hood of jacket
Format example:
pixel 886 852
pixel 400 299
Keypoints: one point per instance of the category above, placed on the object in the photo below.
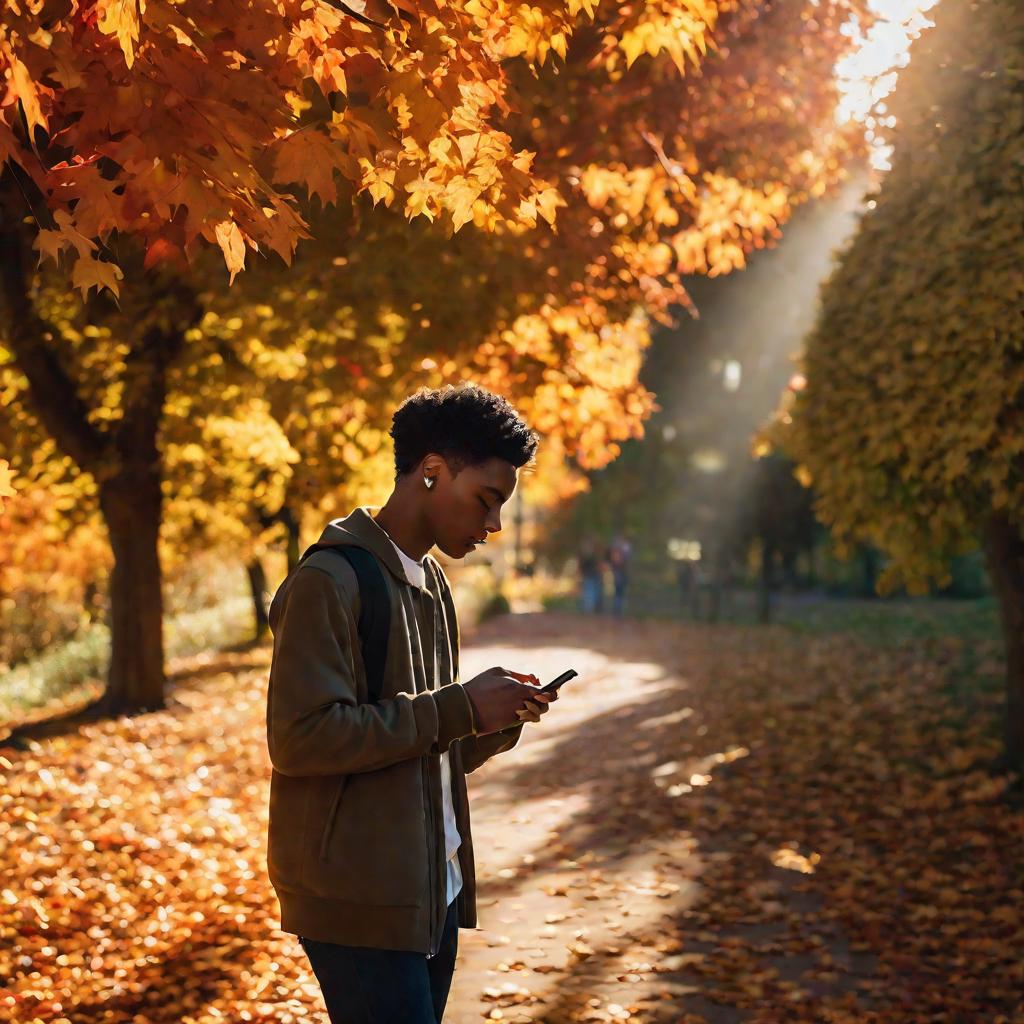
pixel 361 528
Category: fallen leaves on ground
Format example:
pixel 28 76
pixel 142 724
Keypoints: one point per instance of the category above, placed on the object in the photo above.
pixel 717 824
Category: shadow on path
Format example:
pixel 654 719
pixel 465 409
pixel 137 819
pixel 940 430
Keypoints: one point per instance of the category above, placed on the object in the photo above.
pixel 737 774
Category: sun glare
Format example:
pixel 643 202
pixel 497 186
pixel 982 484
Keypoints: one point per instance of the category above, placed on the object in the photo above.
pixel 869 73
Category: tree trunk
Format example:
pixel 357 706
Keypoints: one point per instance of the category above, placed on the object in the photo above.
pixel 1005 550
pixel 131 505
pixel 715 602
pixel 790 572
pixel 258 586
pixel 123 456
pixel 869 569
pixel 764 591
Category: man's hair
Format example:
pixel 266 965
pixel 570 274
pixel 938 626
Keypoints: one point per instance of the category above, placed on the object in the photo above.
pixel 465 423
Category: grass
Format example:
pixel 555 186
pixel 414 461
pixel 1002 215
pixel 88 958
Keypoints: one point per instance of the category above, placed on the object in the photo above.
pixel 882 621
pixel 74 671
pixel 895 620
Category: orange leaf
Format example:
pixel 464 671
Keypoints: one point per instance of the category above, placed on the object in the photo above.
pixel 163 251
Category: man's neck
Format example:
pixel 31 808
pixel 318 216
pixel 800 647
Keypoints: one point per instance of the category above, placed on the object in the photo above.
pixel 399 519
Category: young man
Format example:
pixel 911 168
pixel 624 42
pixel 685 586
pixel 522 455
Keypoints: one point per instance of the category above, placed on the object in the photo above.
pixel 370 850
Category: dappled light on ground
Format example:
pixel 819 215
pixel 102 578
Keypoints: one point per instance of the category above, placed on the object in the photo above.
pixel 711 824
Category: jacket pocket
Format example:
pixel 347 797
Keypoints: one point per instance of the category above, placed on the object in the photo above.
pixel 332 814
pixel 370 847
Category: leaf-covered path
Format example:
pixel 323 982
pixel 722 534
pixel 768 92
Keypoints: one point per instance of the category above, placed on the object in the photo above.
pixel 712 824
pixel 739 824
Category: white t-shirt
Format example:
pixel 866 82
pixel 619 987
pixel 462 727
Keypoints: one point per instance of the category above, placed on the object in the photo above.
pixel 452 840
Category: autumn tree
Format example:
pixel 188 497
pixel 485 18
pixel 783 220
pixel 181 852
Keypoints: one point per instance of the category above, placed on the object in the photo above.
pixel 134 135
pixel 911 423
pixel 232 124
pixel 191 123
pixel 283 402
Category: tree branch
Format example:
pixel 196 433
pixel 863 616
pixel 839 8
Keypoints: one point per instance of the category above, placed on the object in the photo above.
pixel 54 398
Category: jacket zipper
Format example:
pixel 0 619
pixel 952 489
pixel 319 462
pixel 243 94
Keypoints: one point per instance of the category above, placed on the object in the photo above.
pixel 434 935
pixel 433 944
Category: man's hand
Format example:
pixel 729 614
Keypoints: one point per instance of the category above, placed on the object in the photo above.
pixel 537 704
pixel 499 695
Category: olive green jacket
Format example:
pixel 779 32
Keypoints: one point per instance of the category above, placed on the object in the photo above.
pixel 356 833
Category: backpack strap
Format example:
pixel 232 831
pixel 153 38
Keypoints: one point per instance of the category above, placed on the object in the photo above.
pixel 374 610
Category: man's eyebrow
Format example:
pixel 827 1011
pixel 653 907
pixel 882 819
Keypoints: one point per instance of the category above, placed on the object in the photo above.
pixel 495 490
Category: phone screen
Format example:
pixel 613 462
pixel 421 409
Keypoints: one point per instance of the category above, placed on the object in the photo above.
pixel 559 680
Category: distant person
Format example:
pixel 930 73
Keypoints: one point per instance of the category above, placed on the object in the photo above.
pixel 591 576
pixel 371 733
pixel 620 552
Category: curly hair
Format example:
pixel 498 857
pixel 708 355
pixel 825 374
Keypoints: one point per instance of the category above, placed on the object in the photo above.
pixel 464 423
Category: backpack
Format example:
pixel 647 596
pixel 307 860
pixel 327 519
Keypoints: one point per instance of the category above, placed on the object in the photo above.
pixel 374 610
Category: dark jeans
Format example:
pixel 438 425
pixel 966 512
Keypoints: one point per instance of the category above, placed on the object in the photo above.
pixel 385 986
pixel 619 598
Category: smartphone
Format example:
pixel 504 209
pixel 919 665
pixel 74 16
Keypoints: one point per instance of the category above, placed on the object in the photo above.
pixel 558 680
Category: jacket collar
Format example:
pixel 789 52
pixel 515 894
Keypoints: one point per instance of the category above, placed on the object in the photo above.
pixel 360 528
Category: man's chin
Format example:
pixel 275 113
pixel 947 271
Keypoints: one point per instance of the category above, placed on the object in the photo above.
pixel 457 549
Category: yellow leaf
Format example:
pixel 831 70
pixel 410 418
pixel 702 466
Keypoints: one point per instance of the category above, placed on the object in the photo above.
pixel 468 146
pixel 25 90
pixel 232 245
pixel 6 490
pixel 460 201
pixel 633 44
pixel 122 18
pixel 527 212
pixel 547 202
pixel 71 235
pixel 420 191
pixel 89 273
pixel 49 243
pixel 380 183
pixel 523 160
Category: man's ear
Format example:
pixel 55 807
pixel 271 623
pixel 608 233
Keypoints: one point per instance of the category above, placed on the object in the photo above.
pixel 431 463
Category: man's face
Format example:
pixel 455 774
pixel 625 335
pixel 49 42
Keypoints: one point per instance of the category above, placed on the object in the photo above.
pixel 467 507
